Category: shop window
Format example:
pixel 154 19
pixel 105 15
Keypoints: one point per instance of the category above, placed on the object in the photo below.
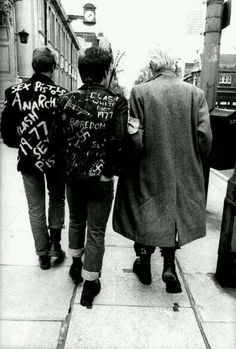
pixel 225 79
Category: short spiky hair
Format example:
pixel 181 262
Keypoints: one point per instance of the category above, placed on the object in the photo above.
pixel 93 64
pixel 43 60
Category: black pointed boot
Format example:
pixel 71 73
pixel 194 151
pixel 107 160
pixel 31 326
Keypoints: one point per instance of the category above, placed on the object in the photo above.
pixel 45 262
pixel 90 290
pixel 55 248
pixel 75 270
pixel 169 275
pixel 142 264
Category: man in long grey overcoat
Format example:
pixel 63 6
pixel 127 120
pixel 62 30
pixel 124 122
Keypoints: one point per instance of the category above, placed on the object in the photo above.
pixel 160 199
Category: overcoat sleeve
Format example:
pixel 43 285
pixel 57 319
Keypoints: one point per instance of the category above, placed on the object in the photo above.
pixel 204 127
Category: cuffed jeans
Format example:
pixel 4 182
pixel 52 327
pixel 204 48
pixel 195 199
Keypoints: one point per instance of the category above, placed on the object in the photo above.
pixel 35 187
pixel 89 203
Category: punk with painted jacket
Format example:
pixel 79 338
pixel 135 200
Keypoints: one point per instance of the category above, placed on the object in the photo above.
pixel 26 120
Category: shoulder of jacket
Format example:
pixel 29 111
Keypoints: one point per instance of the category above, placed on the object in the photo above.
pixel 61 89
pixel 19 86
pixel 197 90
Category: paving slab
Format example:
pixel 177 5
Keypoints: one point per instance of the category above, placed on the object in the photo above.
pixel 29 293
pixel 120 286
pixel 17 248
pixel 197 258
pixel 216 193
pixel 12 253
pixel 7 216
pixel 220 335
pixel 213 303
pixel 20 221
pixel 29 334
pixel 118 327
pixel 114 239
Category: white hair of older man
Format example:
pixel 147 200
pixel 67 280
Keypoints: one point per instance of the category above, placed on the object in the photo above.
pixel 160 58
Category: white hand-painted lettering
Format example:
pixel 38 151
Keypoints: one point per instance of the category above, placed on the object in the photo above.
pixel 20 87
pixel 27 122
pixel 41 87
pixel 105 115
pixel 40 149
pixel 86 125
pixel 36 130
pixel 97 145
pixel 24 145
pixel 42 164
pixel 17 100
pixel 77 108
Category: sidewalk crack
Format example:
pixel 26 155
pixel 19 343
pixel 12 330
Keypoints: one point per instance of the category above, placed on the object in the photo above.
pixel 193 306
pixel 65 324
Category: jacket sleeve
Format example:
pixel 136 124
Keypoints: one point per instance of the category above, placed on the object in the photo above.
pixel 57 137
pixel 115 146
pixel 9 124
pixel 204 128
pixel 136 105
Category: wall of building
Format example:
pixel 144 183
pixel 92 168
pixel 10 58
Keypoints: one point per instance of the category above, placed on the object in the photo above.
pixel 8 68
pixel 226 89
pixel 46 22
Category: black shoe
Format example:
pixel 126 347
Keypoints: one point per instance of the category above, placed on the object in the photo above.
pixel 142 269
pixel 75 271
pixel 171 280
pixel 56 250
pixel 45 262
pixel 169 275
pixel 90 290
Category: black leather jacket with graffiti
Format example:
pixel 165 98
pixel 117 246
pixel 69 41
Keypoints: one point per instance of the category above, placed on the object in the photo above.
pixel 26 120
pixel 90 127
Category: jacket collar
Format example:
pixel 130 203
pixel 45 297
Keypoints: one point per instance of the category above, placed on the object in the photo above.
pixel 164 72
pixel 92 85
pixel 42 77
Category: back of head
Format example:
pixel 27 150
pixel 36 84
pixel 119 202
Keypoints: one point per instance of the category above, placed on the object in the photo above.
pixel 161 59
pixel 93 64
pixel 44 60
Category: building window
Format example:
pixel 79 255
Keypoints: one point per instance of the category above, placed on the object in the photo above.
pixel 41 16
pixel 52 26
pixel 225 79
pixel 58 36
pixel 63 38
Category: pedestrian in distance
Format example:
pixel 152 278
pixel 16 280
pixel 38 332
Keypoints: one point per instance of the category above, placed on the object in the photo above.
pixel 160 199
pixel 90 126
pixel 25 123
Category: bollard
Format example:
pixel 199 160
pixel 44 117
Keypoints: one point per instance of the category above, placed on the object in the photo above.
pixel 226 264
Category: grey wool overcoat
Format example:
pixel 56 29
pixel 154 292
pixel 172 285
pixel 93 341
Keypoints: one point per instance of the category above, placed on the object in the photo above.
pixel 164 188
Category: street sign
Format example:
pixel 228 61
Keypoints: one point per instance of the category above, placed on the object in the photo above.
pixel 226 14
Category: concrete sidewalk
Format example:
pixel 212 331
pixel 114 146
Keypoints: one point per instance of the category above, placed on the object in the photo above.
pixel 41 310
